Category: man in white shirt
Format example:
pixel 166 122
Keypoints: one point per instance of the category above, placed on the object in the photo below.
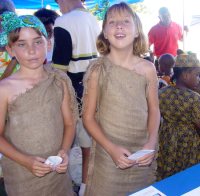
pixel 75 34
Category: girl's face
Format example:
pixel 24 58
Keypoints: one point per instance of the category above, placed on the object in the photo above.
pixel 30 49
pixel 193 79
pixel 120 30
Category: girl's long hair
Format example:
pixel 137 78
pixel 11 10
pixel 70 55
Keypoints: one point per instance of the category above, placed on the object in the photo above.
pixel 140 42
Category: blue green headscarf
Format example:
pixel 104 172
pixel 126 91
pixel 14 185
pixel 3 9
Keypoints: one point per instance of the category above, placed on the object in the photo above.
pixel 9 21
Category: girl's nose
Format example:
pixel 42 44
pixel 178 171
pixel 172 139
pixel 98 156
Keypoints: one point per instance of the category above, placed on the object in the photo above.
pixel 119 24
pixel 31 49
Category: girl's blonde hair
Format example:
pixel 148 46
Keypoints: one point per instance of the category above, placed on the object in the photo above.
pixel 139 44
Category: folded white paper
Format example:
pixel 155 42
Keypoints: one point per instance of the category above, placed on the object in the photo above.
pixel 140 154
pixel 194 192
pixel 53 160
pixel 149 191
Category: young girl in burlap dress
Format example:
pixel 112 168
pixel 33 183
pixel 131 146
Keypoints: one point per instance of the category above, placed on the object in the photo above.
pixel 38 113
pixel 120 110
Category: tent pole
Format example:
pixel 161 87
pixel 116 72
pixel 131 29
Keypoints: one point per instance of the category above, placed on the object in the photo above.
pixel 183 3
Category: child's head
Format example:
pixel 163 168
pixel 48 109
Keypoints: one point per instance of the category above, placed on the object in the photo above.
pixel 164 15
pixel 121 16
pixel 48 18
pixel 24 38
pixel 187 70
pixel 179 51
pixel 166 63
pixel 12 24
pixel 6 5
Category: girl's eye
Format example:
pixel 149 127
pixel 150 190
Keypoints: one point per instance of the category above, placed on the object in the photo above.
pixel 38 42
pixel 20 44
pixel 126 21
pixel 112 22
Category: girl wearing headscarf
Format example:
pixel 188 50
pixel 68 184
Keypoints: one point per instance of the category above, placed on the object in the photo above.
pixel 38 113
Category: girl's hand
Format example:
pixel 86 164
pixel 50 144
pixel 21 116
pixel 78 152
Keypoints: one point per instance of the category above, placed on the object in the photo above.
pixel 62 168
pixel 120 157
pixel 37 166
pixel 147 159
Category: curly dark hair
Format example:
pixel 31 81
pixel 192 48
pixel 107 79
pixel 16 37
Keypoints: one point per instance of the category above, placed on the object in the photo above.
pixel 6 5
pixel 46 16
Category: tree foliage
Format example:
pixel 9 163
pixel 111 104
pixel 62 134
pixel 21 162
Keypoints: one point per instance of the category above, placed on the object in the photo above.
pixel 100 9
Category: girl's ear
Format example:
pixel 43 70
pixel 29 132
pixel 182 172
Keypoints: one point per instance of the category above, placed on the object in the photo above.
pixel 136 33
pixel 10 51
pixel 104 34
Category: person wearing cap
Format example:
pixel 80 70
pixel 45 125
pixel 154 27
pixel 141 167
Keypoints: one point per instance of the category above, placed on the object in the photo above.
pixel 164 36
pixel 29 100
pixel 179 136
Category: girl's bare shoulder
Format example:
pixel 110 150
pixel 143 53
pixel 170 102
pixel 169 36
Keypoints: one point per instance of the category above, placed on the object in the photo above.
pixel 144 67
pixel 9 81
pixel 7 86
pixel 147 65
pixel 4 89
pixel 5 83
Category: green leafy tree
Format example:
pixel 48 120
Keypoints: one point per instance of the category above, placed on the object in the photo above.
pixel 100 9
pixel 139 8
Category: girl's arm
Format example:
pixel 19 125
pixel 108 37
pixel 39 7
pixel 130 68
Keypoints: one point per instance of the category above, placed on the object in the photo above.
pixel 70 114
pixel 153 114
pixel 69 117
pixel 117 153
pixel 34 164
pixel 153 109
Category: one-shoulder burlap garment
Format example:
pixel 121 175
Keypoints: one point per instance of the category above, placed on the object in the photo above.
pixel 122 113
pixel 35 127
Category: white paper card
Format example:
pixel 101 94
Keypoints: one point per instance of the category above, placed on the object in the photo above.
pixel 53 160
pixel 150 191
pixel 194 192
pixel 140 154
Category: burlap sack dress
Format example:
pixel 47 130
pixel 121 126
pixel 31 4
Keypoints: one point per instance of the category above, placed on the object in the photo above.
pixel 122 113
pixel 35 127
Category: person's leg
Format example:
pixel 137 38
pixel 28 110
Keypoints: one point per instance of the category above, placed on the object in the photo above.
pixel 85 163
pixel 84 139
pixel 2 187
pixel 85 144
